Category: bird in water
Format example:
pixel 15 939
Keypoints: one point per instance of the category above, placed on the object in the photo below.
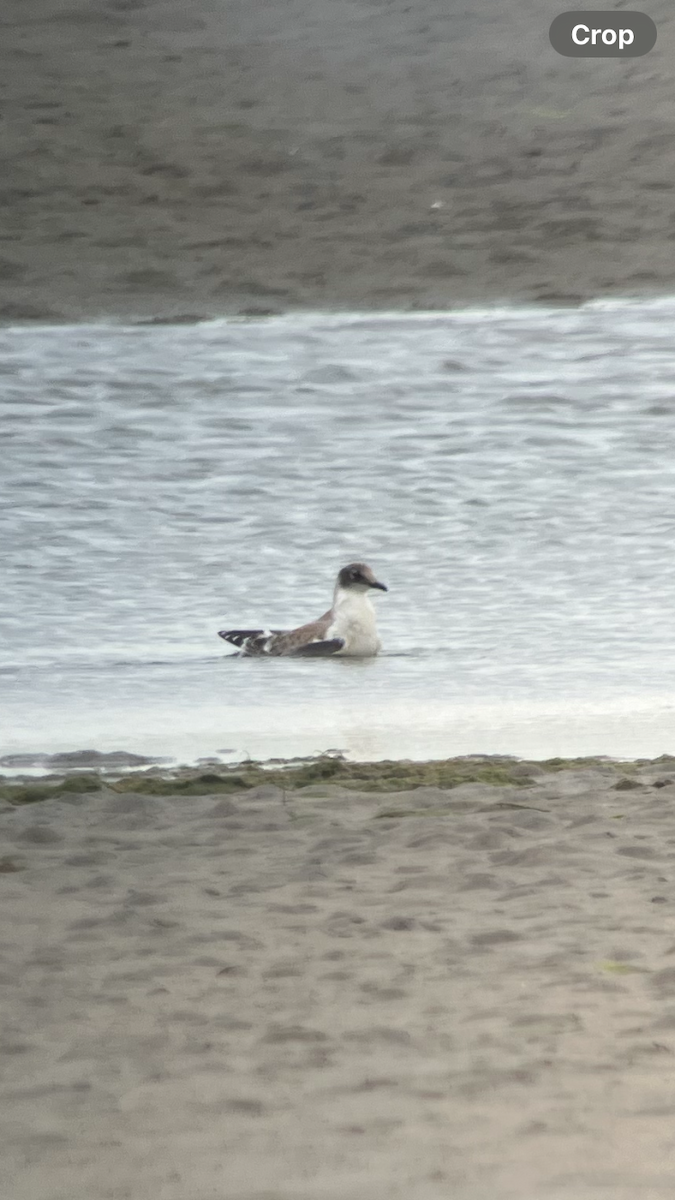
pixel 348 628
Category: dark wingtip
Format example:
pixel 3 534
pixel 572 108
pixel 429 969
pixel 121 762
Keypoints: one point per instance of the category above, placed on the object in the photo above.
pixel 236 637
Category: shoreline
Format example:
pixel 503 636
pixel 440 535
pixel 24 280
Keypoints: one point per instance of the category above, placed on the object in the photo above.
pixel 150 777
pixel 449 306
pixel 490 304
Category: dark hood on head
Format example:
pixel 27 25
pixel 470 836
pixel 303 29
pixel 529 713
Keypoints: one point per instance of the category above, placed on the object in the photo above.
pixel 359 575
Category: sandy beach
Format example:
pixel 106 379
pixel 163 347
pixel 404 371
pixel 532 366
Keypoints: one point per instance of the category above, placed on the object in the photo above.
pixel 164 161
pixel 333 991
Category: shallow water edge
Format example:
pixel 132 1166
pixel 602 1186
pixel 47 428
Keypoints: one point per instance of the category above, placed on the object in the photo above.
pixel 292 775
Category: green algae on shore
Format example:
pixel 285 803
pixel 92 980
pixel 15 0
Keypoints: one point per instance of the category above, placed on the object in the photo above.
pixel 387 776
pixel 22 793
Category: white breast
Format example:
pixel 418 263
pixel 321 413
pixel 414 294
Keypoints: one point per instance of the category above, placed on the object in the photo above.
pixel 354 620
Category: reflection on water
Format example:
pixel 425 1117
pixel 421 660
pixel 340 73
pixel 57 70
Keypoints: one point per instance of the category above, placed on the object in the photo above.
pixel 509 474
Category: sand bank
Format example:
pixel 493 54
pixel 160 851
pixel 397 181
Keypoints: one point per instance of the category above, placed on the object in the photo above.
pixel 164 160
pixel 290 992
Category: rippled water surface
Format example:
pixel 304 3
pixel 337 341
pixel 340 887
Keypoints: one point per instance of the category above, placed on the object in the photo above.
pixel 509 474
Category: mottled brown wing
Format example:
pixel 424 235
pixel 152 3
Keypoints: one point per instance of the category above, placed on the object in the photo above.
pixel 299 640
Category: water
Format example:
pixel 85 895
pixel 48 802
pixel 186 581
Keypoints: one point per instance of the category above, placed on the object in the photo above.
pixel 509 474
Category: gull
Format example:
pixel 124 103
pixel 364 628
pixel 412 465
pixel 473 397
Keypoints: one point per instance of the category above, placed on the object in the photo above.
pixel 347 629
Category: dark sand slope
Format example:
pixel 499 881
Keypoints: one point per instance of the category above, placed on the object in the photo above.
pixel 464 993
pixel 162 159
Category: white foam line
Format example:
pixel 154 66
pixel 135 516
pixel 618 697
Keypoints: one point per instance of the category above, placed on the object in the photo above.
pixel 308 318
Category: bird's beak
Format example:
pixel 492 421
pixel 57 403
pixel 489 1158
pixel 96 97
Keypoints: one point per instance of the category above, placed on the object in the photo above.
pixel 382 586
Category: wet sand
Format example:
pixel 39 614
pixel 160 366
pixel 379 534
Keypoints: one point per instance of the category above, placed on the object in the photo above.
pixel 163 160
pixel 342 992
